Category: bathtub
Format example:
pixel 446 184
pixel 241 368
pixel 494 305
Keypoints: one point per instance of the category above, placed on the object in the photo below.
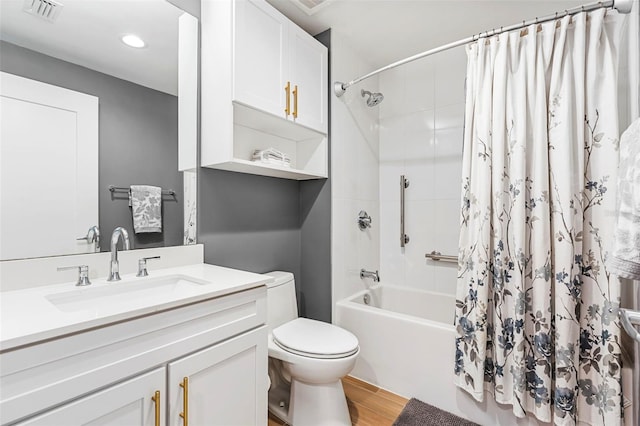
pixel 406 341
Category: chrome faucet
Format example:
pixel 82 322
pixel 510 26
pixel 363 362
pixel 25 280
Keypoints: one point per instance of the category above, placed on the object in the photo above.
pixel 93 236
pixel 114 268
pixel 370 274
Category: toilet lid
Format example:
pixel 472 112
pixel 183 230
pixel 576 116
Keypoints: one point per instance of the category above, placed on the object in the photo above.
pixel 315 339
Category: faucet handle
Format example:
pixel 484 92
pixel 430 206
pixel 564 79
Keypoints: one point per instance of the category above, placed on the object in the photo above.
pixel 142 266
pixel 83 273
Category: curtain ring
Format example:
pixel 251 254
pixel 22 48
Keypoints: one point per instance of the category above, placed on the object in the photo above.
pixel 566 12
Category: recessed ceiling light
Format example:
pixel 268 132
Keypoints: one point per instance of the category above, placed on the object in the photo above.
pixel 133 40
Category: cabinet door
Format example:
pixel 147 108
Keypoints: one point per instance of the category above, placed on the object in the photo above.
pixel 126 404
pixel 225 384
pixel 309 71
pixel 260 53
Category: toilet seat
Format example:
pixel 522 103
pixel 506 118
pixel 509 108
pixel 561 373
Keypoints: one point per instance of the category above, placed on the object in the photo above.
pixel 315 339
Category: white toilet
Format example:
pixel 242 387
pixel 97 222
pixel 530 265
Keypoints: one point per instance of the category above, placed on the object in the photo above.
pixel 307 359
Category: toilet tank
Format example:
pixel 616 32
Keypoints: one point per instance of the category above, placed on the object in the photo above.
pixel 282 305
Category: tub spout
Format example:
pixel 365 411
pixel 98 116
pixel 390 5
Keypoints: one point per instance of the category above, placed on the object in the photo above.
pixel 370 274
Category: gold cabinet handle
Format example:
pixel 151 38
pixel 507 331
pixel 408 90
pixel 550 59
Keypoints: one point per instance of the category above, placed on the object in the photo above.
pixel 287 89
pixel 295 101
pixel 156 400
pixel 185 401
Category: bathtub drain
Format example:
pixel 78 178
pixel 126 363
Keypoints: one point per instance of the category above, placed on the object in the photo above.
pixel 366 299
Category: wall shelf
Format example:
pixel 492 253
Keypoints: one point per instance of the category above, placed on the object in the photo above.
pixel 255 168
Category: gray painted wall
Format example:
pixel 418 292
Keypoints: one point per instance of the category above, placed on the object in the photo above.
pixel 315 233
pixel 138 139
pixel 262 224
pixel 249 222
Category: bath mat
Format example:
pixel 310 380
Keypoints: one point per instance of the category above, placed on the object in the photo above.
pixel 418 413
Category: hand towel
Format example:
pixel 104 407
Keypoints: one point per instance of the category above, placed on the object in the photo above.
pixel 146 208
pixel 625 259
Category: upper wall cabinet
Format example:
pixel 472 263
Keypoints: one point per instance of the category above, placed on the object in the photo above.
pixel 264 85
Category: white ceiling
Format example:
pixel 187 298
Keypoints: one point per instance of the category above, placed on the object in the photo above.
pixel 87 33
pixel 389 30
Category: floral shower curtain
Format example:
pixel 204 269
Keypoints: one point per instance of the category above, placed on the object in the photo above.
pixel 536 309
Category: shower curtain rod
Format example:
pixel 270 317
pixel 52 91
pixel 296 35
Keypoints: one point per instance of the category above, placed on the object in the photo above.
pixel 622 6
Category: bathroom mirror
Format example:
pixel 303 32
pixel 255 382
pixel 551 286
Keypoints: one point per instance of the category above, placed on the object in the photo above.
pixel 76 47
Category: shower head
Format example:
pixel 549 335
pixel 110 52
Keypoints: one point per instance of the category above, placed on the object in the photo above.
pixel 374 98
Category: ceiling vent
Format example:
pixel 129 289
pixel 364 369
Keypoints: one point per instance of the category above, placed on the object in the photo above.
pixel 311 7
pixel 48 10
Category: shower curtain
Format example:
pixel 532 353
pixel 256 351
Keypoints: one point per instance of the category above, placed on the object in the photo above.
pixel 536 309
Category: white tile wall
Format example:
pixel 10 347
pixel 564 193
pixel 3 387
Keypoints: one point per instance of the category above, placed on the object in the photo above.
pixel 421 127
pixel 416 131
pixel 355 175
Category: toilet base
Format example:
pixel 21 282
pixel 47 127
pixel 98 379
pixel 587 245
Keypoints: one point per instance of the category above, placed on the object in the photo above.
pixel 315 405
pixel 279 403
pixel 318 404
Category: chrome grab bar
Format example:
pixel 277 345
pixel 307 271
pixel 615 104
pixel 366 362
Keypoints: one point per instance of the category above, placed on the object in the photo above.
pixel 404 184
pixel 628 319
pixel 436 255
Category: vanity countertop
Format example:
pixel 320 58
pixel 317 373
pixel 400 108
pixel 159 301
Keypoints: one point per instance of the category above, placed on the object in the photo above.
pixel 35 314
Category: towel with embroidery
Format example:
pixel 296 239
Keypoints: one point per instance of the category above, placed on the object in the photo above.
pixel 146 208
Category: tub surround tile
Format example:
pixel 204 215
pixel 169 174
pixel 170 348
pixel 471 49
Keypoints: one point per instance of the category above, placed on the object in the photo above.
pixel 445 277
pixel 392 268
pixel 450 73
pixel 419 85
pixel 355 159
pixel 392 86
pixel 421 136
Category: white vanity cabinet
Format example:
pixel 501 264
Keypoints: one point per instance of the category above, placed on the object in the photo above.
pixel 264 84
pixel 110 375
pixel 138 401
pixel 220 385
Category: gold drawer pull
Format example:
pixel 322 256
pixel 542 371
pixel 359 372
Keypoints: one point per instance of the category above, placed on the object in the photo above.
pixel 185 401
pixel 156 400
pixel 295 101
pixel 287 89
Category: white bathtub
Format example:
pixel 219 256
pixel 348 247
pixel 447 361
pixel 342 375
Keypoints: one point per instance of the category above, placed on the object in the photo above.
pixel 407 346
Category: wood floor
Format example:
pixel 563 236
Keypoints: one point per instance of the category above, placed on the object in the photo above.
pixel 368 404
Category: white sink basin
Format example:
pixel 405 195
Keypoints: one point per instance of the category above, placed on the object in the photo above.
pixel 125 294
